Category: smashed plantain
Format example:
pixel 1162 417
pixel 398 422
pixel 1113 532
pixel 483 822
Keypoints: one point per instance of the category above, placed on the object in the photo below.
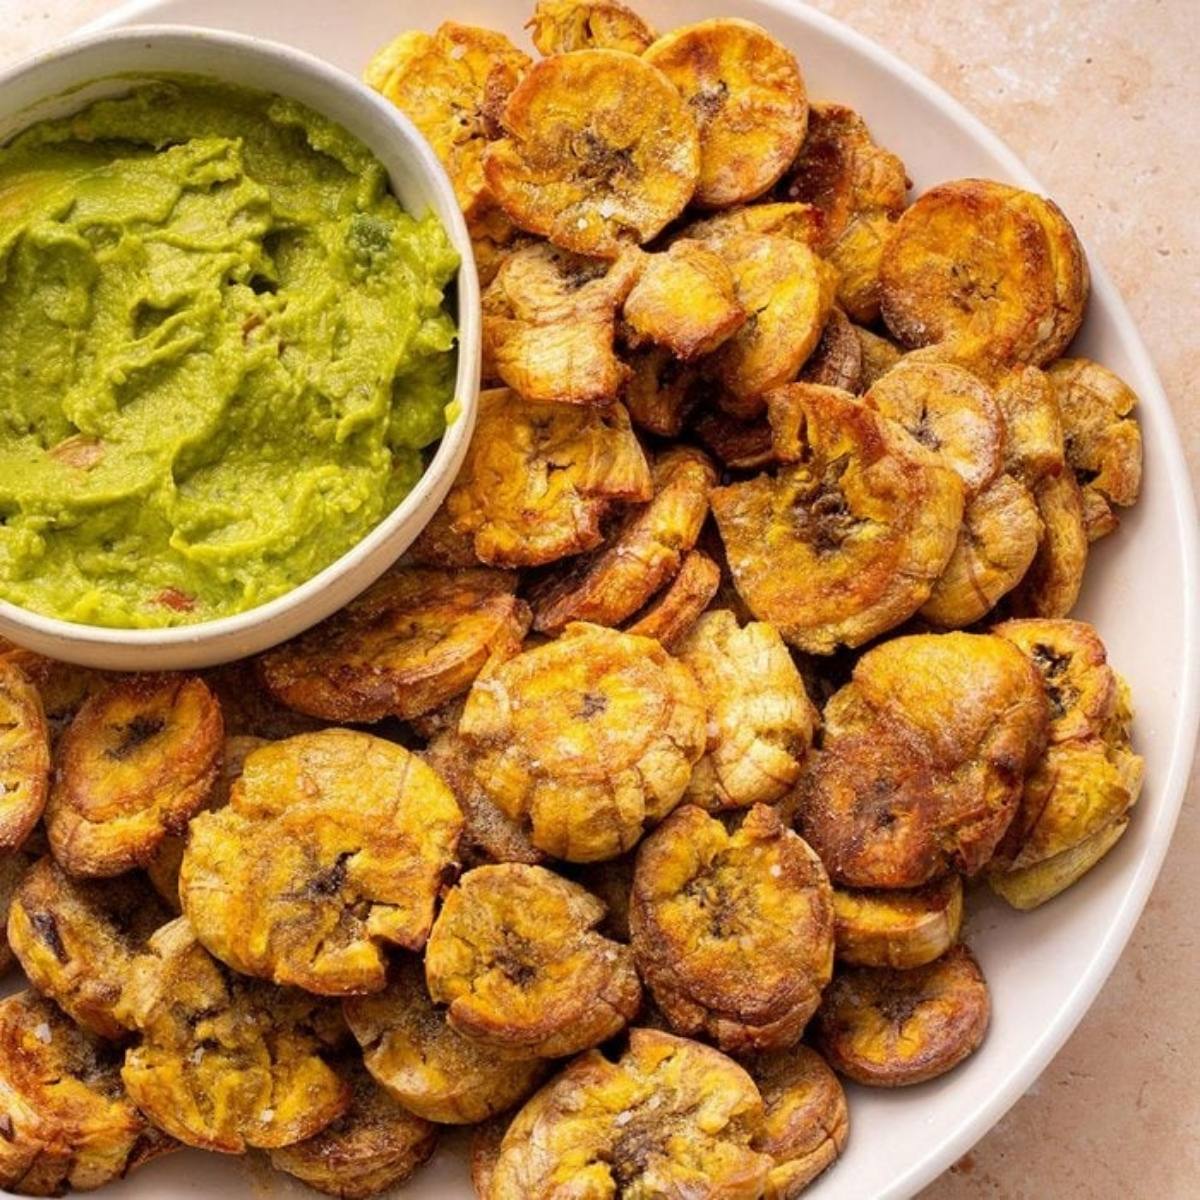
pixel 838 359
pixel 899 929
pixel 1051 585
pixel 661 391
pixel 679 606
pixel 560 26
pixel 13 865
pixel 24 756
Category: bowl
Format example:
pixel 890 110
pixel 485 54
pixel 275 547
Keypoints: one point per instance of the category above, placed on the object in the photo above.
pixel 64 80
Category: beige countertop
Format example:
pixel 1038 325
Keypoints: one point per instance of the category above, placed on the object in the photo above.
pixel 1102 101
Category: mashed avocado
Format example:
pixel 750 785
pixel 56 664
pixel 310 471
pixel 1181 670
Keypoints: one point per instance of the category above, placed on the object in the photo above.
pixel 223 348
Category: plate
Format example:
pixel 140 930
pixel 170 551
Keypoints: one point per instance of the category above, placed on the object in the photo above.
pixel 1045 967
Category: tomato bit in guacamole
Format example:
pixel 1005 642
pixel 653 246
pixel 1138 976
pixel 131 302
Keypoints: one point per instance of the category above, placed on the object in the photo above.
pixel 223 348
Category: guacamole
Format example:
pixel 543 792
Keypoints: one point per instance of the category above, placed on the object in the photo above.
pixel 223 349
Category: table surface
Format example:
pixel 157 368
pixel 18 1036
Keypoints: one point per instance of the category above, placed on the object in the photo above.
pixel 1101 102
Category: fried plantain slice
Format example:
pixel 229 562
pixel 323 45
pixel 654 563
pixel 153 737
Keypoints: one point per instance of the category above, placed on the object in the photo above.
pixel 999 538
pixel 24 756
pixel 226 1062
pixel 137 761
pixel 62 686
pixel 560 26
pixel 733 932
pixel 589 738
pixel 76 940
pixel 13 865
pixel 983 260
pixel 924 756
pixel 838 359
pixel 515 956
pixel 374 1145
pixel 685 300
pixel 747 95
pixel 762 718
pixel 899 929
pixel 1034 447
pixel 411 642
pixel 539 477
pixel 857 256
pixel 68 1124
pixel 424 1063
pixel 1051 585
pixel 452 84
pixel 332 844
pixel 549 321
pixel 669 1118
pixel 789 292
pixel 805 1120
pixel 737 443
pixel 886 1028
pixel 670 616
pixel 486 1139
pixel 600 152
pixel 879 356
pixel 642 555
pixel 661 392
pixel 848 542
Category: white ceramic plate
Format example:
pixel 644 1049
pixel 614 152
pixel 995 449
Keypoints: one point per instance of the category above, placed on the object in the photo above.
pixel 1045 968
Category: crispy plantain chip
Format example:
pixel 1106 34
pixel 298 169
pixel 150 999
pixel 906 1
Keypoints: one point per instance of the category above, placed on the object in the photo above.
pixel 589 738
pixel 672 613
pixel 24 756
pixel 799 222
pixel 847 542
pixel 879 356
pixel 900 929
pixel 411 642
pixel 62 687
pixel 885 1028
pixel 600 152
pixel 739 444
pixel 424 1063
pixel 733 932
pixel 515 956
pixel 669 1118
pixel 1051 585
pixel 332 845
pixel 838 359
pixel 136 762
pixel 560 26
pixel 661 392
pixel 747 95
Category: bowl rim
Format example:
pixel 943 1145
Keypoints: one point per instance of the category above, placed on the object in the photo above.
pixel 451 446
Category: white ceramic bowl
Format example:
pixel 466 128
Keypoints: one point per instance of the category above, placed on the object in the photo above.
pixel 62 81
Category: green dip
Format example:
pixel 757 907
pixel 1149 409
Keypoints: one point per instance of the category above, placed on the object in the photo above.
pixel 223 348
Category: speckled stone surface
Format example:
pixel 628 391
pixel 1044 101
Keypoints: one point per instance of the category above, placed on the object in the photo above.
pixel 1102 99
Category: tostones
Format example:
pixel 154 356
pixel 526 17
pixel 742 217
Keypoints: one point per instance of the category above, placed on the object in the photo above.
pixel 733 932
pixel 560 26
pixel 879 356
pixel 411 642
pixel 847 539
pixel 642 554
pixel 798 222
pixel 62 686
pixel 673 612
pixel 589 738
pixel 900 929
pixel 762 717
pixel 333 844
pixel 1034 443
pixel 886 1028
pixel 739 444
pixel 600 152
pixel 24 756
pixel 515 956
pixel 670 1117
pixel 424 1063
pixel 838 359
pixel 661 392
pixel 138 760
pixel 538 478
pixel 67 1122
pixel 1051 585
pixel 747 95
pixel 226 1063
pixel 13 865
pixel 486 1139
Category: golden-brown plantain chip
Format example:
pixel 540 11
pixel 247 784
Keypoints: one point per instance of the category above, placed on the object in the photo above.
pixel 900 929
pixel 738 444
pixel 549 319
pixel 847 542
pixel 886 1028
pixel 332 845
pixel 661 391
pixel 13 865
pixel 670 616
pixel 805 1119
pixel 24 756
pixel 373 1146
pixel 424 1063
pixel 983 260
pixel 411 642
pixel 136 762
pixel 669 1118
pixel 879 356
pixel 1000 535
pixel 642 555
pixel 838 359
pixel 67 1122
pixel 799 222
pixel 560 26
pixel 515 956
pixel 63 687
pixel 452 84
pixel 1051 585
pixel 1034 447
pixel 76 940
pixel 600 152
pixel 733 932
pixel 226 1062
pixel 685 300
pixel 761 717
pixel 539 477
pixel 589 738
pixel 486 1139
pixel 747 95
